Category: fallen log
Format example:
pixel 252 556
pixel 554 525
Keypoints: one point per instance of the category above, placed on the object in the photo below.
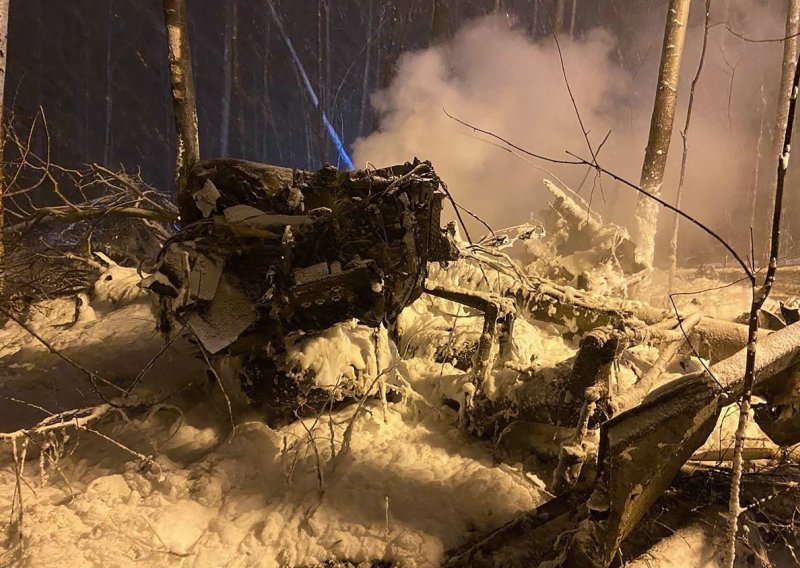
pixel 578 311
pixel 636 394
pixel 643 449
pixel 522 542
pixel 581 311
pixel 556 395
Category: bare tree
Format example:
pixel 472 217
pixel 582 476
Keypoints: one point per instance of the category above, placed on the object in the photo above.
pixel 560 11
pixel 440 21
pixel 760 295
pixel 790 50
pixel 322 56
pixel 3 59
pixel 655 158
pixel 535 19
pixel 673 243
pixel 227 81
pixel 109 85
pixel 366 77
pixel 757 161
pixel 183 97
pixel 572 15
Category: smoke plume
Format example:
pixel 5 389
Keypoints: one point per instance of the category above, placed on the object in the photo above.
pixel 494 76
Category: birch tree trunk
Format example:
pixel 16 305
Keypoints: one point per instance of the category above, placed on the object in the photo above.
pixel 760 296
pixel 560 11
pixel 757 164
pixel 183 97
pixel 787 70
pixel 573 13
pixel 673 242
pixel 3 64
pixel 655 158
pixel 790 48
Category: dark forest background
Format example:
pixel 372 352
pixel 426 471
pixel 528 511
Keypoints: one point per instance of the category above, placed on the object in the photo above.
pixel 98 70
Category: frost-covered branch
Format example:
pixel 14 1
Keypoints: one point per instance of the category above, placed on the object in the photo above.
pixel 760 296
pixel 578 161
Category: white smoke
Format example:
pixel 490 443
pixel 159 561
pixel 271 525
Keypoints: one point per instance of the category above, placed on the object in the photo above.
pixel 494 76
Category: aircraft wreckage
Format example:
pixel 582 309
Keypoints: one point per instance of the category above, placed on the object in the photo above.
pixel 269 257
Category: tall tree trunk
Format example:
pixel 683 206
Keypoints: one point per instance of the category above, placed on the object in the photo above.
pixel 227 84
pixel 385 63
pixel 109 86
pixel 38 62
pixel 238 99
pixel 757 163
pixel 322 138
pixel 329 107
pixel 572 15
pixel 183 98
pixel 397 37
pixel 87 90
pixel 3 64
pixel 266 104
pixel 365 79
pixel 440 22
pixel 655 158
pixel 561 8
pixel 673 242
pixel 790 49
pixel 760 296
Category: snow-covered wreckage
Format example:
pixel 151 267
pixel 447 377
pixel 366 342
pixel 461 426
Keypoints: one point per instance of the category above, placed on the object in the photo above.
pixel 271 255
pixel 307 293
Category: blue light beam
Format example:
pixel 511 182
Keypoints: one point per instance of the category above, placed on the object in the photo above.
pixel 334 136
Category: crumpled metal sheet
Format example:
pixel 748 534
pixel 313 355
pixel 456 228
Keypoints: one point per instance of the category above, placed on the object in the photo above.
pixel 267 251
pixel 229 314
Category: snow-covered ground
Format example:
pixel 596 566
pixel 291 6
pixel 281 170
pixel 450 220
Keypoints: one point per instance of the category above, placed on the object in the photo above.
pixel 176 484
pixel 410 486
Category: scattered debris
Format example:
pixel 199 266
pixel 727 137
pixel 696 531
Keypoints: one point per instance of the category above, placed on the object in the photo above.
pixel 306 291
pixel 273 264
pixel 273 257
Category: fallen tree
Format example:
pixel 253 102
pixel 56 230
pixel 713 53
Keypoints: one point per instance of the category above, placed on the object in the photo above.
pixel 640 453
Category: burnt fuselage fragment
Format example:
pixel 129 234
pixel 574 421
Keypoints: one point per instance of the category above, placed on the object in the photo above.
pixel 268 251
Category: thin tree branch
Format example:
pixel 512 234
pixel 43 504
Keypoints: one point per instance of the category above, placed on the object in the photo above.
pixel 743 37
pixel 673 243
pixel 759 298
pixel 583 162
pixel 511 144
